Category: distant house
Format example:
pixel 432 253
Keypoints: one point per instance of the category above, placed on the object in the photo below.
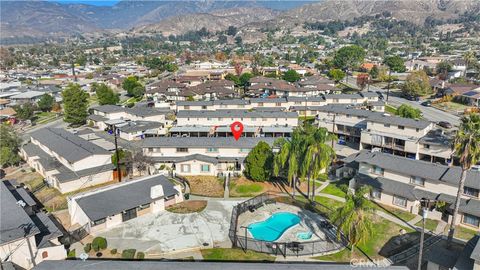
pixel 67 161
pixel 110 206
pixel 28 236
pixel 26 97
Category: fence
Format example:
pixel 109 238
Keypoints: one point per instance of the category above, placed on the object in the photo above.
pixel 316 247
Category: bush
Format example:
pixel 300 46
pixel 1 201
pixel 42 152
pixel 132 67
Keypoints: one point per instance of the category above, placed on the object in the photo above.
pixel 99 243
pixel 113 251
pixel 87 247
pixel 33 170
pixel 71 254
pixel 128 253
pixel 140 255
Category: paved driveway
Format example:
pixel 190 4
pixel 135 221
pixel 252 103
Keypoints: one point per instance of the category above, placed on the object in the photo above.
pixel 165 232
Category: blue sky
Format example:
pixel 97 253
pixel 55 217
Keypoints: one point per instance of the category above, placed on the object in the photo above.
pixel 90 2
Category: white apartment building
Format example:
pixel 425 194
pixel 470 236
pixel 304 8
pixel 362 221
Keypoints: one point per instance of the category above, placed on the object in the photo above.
pixel 401 182
pixel 67 161
pixel 110 206
pixel 227 117
pixel 411 138
pixel 200 155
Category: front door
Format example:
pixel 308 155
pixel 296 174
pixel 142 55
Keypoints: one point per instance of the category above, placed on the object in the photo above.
pixel 129 214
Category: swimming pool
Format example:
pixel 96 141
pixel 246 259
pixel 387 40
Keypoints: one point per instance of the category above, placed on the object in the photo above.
pixel 272 228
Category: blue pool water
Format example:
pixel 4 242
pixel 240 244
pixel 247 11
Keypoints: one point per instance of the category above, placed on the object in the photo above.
pixel 272 228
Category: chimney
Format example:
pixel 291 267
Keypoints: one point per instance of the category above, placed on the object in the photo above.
pixel 156 192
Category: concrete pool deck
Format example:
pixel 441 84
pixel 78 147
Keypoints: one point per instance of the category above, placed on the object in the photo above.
pixel 162 233
pixel 309 222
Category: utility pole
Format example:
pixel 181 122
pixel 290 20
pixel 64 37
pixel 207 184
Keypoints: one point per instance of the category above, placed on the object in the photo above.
pixel 119 171
pixel 388 85
pixel 424 203
pixel 333 127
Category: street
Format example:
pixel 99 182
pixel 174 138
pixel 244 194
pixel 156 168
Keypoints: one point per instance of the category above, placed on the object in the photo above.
pixel 429 113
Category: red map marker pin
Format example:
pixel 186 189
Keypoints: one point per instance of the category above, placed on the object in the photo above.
pixel 237 129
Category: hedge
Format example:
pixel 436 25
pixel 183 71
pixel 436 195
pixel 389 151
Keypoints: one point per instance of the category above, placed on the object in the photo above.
pixel 140 255
pixel 113 251
pixel 128 253
pixel 87 247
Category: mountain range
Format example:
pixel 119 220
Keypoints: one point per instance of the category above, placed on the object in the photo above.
pixel 45 19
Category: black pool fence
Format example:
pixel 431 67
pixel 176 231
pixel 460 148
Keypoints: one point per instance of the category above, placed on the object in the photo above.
pixel 240 237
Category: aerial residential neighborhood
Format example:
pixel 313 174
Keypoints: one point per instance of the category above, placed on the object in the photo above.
pixel 239 134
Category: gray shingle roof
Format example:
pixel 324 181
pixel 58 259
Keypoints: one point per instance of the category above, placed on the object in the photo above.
pixel 115 199
pixel 13 218
pixel 109 108
pixel 387 185
pixel 236 114
pixel 64 174
pixel 427 170
pixel 204 142
pixel 134 126
pixel 67 145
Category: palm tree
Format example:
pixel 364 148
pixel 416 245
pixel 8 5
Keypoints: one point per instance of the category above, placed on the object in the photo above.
pixel 467 147
pixel 353 219
pixel 469 58
pixel 288 158
pixel 318 156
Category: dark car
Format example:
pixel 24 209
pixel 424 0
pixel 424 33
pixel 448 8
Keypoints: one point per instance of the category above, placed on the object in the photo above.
pixel 426 103
pixel 445 124
pixel 380 95
pixel 412 98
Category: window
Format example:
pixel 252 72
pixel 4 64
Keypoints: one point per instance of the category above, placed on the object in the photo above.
pixel 182 150
pixel 99 221
pixel 220 119
pixel 260 104
pixel 377 194
pixel 186 107
pixel 386 125
pixel 335 100
pixel 143 206
pixel 241 106
pixel 254 119
pixel 205 168
pixel 185 168
pixel 471 220
pixel 417 129
pixel 399 201
pixel 298 103
pixel 44 254
pixel 377 170
pixel 244 150
pixel 278 104
pixel 204 107
pixel 348 115
pixel 209 119
pixel 212 150
pixel 473 192
pixel 426 146
pixel 401 127
pixel 417 180
pixel 354 100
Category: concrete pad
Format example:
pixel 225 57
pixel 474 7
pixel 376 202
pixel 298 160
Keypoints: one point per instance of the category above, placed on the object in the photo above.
pixel 166 232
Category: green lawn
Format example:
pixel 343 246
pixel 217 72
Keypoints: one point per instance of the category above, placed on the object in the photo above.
pixel 464 233
pixel 430 224
pixel 334 189
pixel 245 190
pixel 401 214
pixel 234 254
pixel 390 109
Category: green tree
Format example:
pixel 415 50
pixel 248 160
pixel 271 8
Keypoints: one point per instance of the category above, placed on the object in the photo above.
pixel 318 155
pixel 408 111
pixel 288 159
pixel 443 68
pixel 75 104
pixel 234 78
pixel 374 72
pixel 9 145
pixel 245 78
pixel 130 83
pixel 105 94
pixel 258 163
pixel 467 147
pixel 138 91
pixel 46 102
pixel 291 76
pixel 99 243
pixel 25 111
pixel 417 84
pixel 353 219
pixel 349 57
pixel 394 63
pixel 336 74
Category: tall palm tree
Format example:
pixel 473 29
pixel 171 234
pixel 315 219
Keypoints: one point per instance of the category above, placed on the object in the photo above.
pixel 318 156
pixel 467 147
pixel 469 58
pixel 287 159
pixel 353 219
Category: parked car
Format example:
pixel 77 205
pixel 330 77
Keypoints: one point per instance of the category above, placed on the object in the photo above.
pixel 380 95
pixel 412 98
pixel 444 124
pixel 426 103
